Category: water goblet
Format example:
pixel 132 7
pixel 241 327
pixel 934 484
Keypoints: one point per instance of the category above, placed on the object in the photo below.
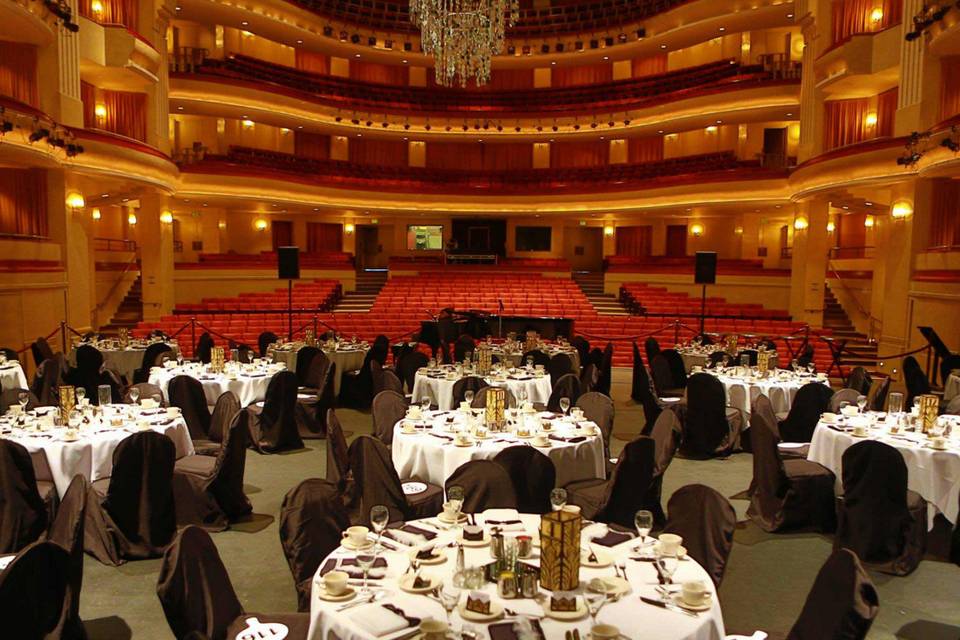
pixel 455 497
pixel 558 499
pixel 862 403
pixel 81 395
pixel 425 404
pixel 365 561
pixel 449 597
pixel 643 521
pixel 468 396
pixel 134 394
pixel 811 368
pixel 23 398
pixel 595 602
pixel 564 405
pixel 668 565
pixel 379 517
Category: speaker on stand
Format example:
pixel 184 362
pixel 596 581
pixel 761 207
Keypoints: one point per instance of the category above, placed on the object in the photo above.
pixel 288 268
pixel 704 273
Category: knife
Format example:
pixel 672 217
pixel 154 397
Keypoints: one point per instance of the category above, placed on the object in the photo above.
pixel 669 606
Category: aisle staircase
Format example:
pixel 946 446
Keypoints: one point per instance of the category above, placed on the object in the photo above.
pixel 130 311
pixel 591 283
pixel 836 319
pixel 369 284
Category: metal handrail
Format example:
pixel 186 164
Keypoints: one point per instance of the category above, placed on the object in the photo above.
pixel 116 283
pixel 871 320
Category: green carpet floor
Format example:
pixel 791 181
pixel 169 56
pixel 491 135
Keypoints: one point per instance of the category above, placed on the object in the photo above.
pixel 767 579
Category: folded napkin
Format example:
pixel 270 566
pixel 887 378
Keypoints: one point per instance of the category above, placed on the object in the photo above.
pixel 506 631
pixel 378 620
pixel 409 531
pixel 349 565
pixel 572 440
pixel 505 525
pixel 437 435
pixel 613 538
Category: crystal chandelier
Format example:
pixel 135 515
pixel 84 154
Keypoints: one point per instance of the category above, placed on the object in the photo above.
pixel 463 35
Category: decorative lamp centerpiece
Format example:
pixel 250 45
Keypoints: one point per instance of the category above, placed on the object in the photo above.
pixel 929 410
pixel 494 413
pixel 763 362
pixel 560 550
pixel 68 400
pixel 533 341
pixel 484 358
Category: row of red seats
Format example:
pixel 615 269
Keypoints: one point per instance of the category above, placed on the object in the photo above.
pixel 317 294
pixel 642 298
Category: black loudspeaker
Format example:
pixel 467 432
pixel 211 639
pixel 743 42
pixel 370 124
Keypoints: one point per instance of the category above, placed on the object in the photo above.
pixel 706 268
pixel 288 263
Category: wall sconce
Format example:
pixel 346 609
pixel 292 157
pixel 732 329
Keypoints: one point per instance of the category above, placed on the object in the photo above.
pixel 166 217
pixel 738 230
pixel 831 227
pixel 100 111
pixel 711 129
pixel 670 136
pixel 348 228
pixel 260 224
pixel 871 119
pixel 132 219
pixel 97 8
pixel 696 230
pixel 876 15
pixel 75 201
pixel 608 231
pixel 745 47
pixel 901 209
pixel 284 131
pixel 222 224
pixel 801 224
pixel 95 214
pixel 247 124
pixel 868 222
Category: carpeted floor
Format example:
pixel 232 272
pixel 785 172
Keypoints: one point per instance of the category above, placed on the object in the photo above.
pixel 765 586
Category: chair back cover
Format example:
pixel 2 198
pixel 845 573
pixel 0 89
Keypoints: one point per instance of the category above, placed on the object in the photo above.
pixel 559 365
pixel 706 520
pixel 145 391
pixel 47 380
pixel 375 481
pixel 326 397
pixel 752 356
pixel 88 373
pixel 33 592
pixel 277 423
pixel 316 371
pixel 391 382
pixel 811 401
pixel 305 358
pixel 605 371
pixel 376 377
pixel 228 406
pixel 678 372
pixel 41 351
pixel 915 378
pixel 533 476
pixel 480 398
pixel 770 483
pixel 461 386
pixel 567 386
pixel 10 397
pixel 186 392
pixel 410 363
pixel 312 518
pixel 23 515
pixel 877 394
pixel 462 345
pixel 150 355
pixel 859 380
pixel 598 408
pixel 388 409
pixel 582 346
pixel 264 340
pixel 67 531
pixel 628 483
pixel 589 377
pixel 194 588
pixel 841 604
pixel 205 345
pixel 666 433
pixel 641 390
pixel 662 377
pixel 338 459
pixel 486 485
pixel 705 421
pixel 651 347
pixel 539 357
pixel 843 395
pixel 874 518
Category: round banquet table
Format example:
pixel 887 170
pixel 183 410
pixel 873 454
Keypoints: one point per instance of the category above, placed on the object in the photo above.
pixel 347 358
pixel 431 455
pixel 439 389
pixel 123 361
pixel 701 358
pixel 634 618
pixel 514 359
pixel 12 376
pixel 743 390
pixel 250 384
pixel 934 474
pixel 58 460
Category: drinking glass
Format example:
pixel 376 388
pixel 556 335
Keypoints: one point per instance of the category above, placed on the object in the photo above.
pixel 134 394
pixel 595 602
pixel 468 396
pixel 812 368
pixel 530 362
pixel 558 499
pixel 81 395
pixel 379 517
pixel 365 562
pixel 564 405
pixel 23 398
pixel 795 364
pixel 449 597
pixel 104 395
pixel 425 404
pixel 862 403
pixel 668 565
pixel 643 520
pixel 455 496
pixel 179 359
pixel 895 402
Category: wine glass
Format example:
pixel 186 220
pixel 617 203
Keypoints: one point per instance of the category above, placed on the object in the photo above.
pixel 595 602
pixel 558 499
pixel 861 403
pixel 23 398
pixel 811 368
pixel 449 597
pixel 81 395
pixel 134 394
pixel 643 520
pixel 530 362
pixel 425 404
pixel 795 364
pixel 455 497
pixel 468 396
pixel 379 517
pixel 564 405
pixel 365 562
pixel 668 565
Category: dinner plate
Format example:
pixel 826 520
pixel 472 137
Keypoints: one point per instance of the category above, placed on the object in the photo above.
pixel 444 519
pixel 347 543
pixel 496 610
pixel 611 586
pixel 703 606
pixel 406 583
pixel 576 614
pixel 349 593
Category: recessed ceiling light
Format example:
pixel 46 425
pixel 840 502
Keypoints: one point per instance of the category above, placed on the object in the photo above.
pixel 179 108
pixel 722 29
pixel 553 62
pixel 719 121
pixel 105 195
pixel 205 204
pixel 790 15
pixel 299 41
pixel 244 23
pixel 789 115
pixel 868 204
pixel 663 46
pixel 404 61
pixel 356 55
pixel 606 57
pixel 659 130
pixel 300 126
pixel 359 135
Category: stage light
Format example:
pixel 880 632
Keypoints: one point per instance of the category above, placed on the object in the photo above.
pixel 608 231
pixel 696 229
pixel 132 219
pixel 800 224
pixel 901 209
pixel 166 217
pixel 75 201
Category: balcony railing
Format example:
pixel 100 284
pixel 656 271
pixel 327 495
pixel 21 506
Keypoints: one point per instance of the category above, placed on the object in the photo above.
pixel 114 244
pixel 188 59
pixel 847 253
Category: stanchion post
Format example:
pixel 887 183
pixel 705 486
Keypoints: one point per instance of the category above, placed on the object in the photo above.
pixel 63 335
pixel 193 332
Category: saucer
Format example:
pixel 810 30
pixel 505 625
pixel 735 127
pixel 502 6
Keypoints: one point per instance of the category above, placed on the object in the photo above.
pixel 703 606
pixel 329 597
pixel 542 445
pixel 524 437
pixel 474 543
pixel 681 550
pixel 580 612
pixel 406 584
pixel 447 520
pixel 463 444
pixel 603 560
pixel 346 543
pixel 613 587
pixel 496 610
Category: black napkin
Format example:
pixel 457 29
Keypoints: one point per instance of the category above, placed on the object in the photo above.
pixel 613 538
pixel 347 563
pixel 504 630
pixel 437 435
pixel 573 440
pixel 502 522
pixel 409 528
pixel 411 620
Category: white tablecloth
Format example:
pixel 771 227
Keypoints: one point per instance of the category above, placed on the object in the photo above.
pixel 431 455
pixel 346 359
pixel 634 618
pixel 92 454
pixel 439 390
pixel 123 361
pixel 514 359
pixel 742 391
pixel 952 387
pixel 700 358
pixel 249 387
pixel 935 475
pixel 12 377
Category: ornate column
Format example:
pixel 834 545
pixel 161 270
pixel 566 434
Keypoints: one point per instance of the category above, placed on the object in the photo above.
pixel 808 267
pixel 155 239
pixel 72 230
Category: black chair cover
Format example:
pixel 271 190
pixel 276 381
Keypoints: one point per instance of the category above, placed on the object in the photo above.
pixel 409 364
pixel 641 391
pixel 480 399
pixel 205 345
pixel 226 409
pixel 567 386
pixel 274 427
pixel 461 386
pixel 338 458
pixel 463 345
pixel 33 593
pixel 843 395
pixel 599 408
pixel 23 514
pixel 312 518
pixel 89 374
pixel 560 365
pixel 706 520
pixel 356 388
pixel 666 433
pixel 150 355
pixel 877 395
pixel 605 371
pixel 616 500
pixel 305 358
pixel 10 397
pixel 663 382
pixel 533 476
pixel 841 604
pixel 41 351
pixel 186 392
pixel 915 379
pixel 388 408
pixel 136 519
pixel 391 382
pixel 678 373
pixel 859 380
pixel 651 347
pixel 264 340
pixel 706 431
pixel 46 383
pixel 145 391
pixel 582 346
pixel 66 530
pixel 486 485
pixel 879 519
pixel 811 401
pixel 589 378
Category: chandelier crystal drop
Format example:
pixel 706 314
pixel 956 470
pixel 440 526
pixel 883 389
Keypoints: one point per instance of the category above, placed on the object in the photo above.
pixel 463 35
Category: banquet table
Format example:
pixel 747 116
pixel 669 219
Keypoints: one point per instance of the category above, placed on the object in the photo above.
pixel 431 454
pixel 58 457
pixel 249 383
pixel 12 376
pixel 779 386
pixel 633 617
pixel 348 357
pixel 701 358
pixel 951 388
pixel 437 386
pixel 122 360
pixel 934 474
pixel 514 358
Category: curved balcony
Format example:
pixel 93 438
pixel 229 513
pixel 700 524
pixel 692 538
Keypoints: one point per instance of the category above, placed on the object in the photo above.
pixel 612 97
pixel 27 21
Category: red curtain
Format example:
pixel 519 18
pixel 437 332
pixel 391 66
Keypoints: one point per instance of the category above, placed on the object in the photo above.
pixel 126 114
pixel 649 66
pixel 324 237
pixel 18 72
pixel 380 73
pixel 851 17
pixel 844 122
pixel 88 95
pixel 949 86
pixel 282 233
pixel 886 112
pixel 123 12
pixel 634 241
pixel 312 62
pixel 473 156
pixel 579 154
pixel 645 149
pixel 676 240
pixel 945 214
pixel 383 153
pixel 585 74
pixel 311 145
pixel 23 202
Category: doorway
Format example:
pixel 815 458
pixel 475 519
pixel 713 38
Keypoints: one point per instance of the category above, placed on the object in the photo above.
pixel 676 240
pixel 775 148
pixel 583 247
pixel 282 231
pixel 369 251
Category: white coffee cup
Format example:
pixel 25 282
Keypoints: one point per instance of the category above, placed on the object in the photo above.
pixel 408 426
pixel 829 418
pixel 860 430
pixel 335 582
pixel 571 508
pixel 414 412
pixel 541 439
pixel 604 632
pixel 670 542
pixel 433 629
pixel 695 592
pixel 357 535
pixel 450 510
pixel 938 442
pixel 462 437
